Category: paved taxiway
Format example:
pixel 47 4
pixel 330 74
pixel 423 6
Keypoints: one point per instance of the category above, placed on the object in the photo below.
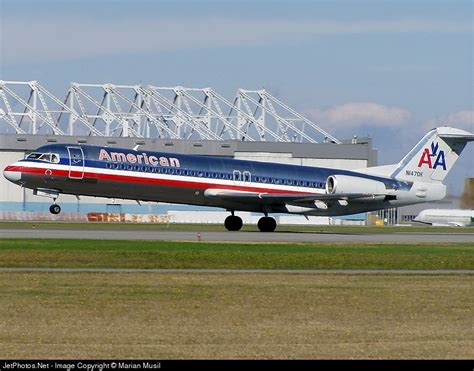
pixel 246 236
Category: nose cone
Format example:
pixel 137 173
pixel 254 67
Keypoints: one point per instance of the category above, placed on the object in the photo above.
pixel 12 173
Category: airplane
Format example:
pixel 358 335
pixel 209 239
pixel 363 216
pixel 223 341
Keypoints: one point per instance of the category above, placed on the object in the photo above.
pixel 238 185
pixel 446 217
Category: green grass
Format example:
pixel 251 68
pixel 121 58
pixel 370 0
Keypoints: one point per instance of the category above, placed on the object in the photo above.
pixel 177 255
pixel 220 227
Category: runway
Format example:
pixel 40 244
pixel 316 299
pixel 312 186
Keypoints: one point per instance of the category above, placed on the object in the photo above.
pixel 253 236
pixel 243 271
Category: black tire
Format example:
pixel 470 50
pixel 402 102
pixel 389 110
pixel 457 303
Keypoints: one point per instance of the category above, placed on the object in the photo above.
pixel 233 223
pixel 266 224
pixel 55 209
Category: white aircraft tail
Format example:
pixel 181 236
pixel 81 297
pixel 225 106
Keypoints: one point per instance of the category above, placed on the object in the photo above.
pixel 431 159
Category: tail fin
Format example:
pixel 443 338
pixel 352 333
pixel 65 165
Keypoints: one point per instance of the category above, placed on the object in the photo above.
pixel 434 155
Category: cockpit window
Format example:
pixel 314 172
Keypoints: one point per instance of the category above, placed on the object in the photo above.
pixel 33 155
pixel 48 157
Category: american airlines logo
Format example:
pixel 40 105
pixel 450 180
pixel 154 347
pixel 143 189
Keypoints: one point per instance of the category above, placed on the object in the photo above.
pixel 141 158
pixel 436 154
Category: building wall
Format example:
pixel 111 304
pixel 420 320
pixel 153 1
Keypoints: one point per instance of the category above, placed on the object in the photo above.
pixel 10 193
pixel 288 158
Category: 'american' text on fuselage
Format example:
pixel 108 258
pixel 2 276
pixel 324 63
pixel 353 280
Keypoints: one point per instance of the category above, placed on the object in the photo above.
pixel 142 158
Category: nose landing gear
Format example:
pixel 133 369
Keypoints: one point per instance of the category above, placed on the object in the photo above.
pixel 55 208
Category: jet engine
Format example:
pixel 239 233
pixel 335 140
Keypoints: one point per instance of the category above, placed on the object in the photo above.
pixel 344 184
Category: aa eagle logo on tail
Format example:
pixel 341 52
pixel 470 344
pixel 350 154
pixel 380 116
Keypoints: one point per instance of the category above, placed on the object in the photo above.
pixel 436 154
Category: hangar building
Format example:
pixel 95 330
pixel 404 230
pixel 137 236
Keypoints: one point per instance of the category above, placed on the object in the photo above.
pixel 254 126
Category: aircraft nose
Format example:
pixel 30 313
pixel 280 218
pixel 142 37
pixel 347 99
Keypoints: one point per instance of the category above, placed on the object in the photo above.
pixel 12 174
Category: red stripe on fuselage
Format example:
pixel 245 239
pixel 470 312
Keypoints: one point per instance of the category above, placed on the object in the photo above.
pixel 157 181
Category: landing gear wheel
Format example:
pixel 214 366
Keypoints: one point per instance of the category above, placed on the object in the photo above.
pixel 267 224
pixel 55 209
pixel 233 223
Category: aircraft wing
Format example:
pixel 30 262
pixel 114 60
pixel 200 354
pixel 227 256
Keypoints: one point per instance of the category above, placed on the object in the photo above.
pixel 282 198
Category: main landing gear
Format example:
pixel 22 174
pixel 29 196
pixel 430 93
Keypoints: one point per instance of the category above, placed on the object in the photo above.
pixel 265 224
pixel 233 223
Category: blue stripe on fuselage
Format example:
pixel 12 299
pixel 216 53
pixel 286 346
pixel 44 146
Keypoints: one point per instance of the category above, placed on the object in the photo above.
pixel 221 165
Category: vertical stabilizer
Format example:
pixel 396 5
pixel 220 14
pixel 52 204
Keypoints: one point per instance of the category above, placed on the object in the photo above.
pixel 434 155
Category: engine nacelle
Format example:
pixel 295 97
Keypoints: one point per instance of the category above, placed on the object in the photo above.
pixel 340 184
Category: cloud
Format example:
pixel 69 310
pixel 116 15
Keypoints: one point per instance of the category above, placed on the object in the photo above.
pixel 357 114
pixel 66 37
pixel 461 120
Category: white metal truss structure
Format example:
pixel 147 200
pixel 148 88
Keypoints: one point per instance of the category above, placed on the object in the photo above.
pixel 140 111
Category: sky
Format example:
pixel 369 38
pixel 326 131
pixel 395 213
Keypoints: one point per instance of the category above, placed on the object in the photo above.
pixel 388 69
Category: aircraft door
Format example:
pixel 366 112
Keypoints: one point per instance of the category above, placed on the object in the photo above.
pixel 246 177
pixel 76 162
pixel 237 176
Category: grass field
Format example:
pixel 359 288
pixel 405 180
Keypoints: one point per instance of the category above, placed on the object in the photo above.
pixel 150 315
pixel 228 315
pixel 220 227
pixel 56 253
